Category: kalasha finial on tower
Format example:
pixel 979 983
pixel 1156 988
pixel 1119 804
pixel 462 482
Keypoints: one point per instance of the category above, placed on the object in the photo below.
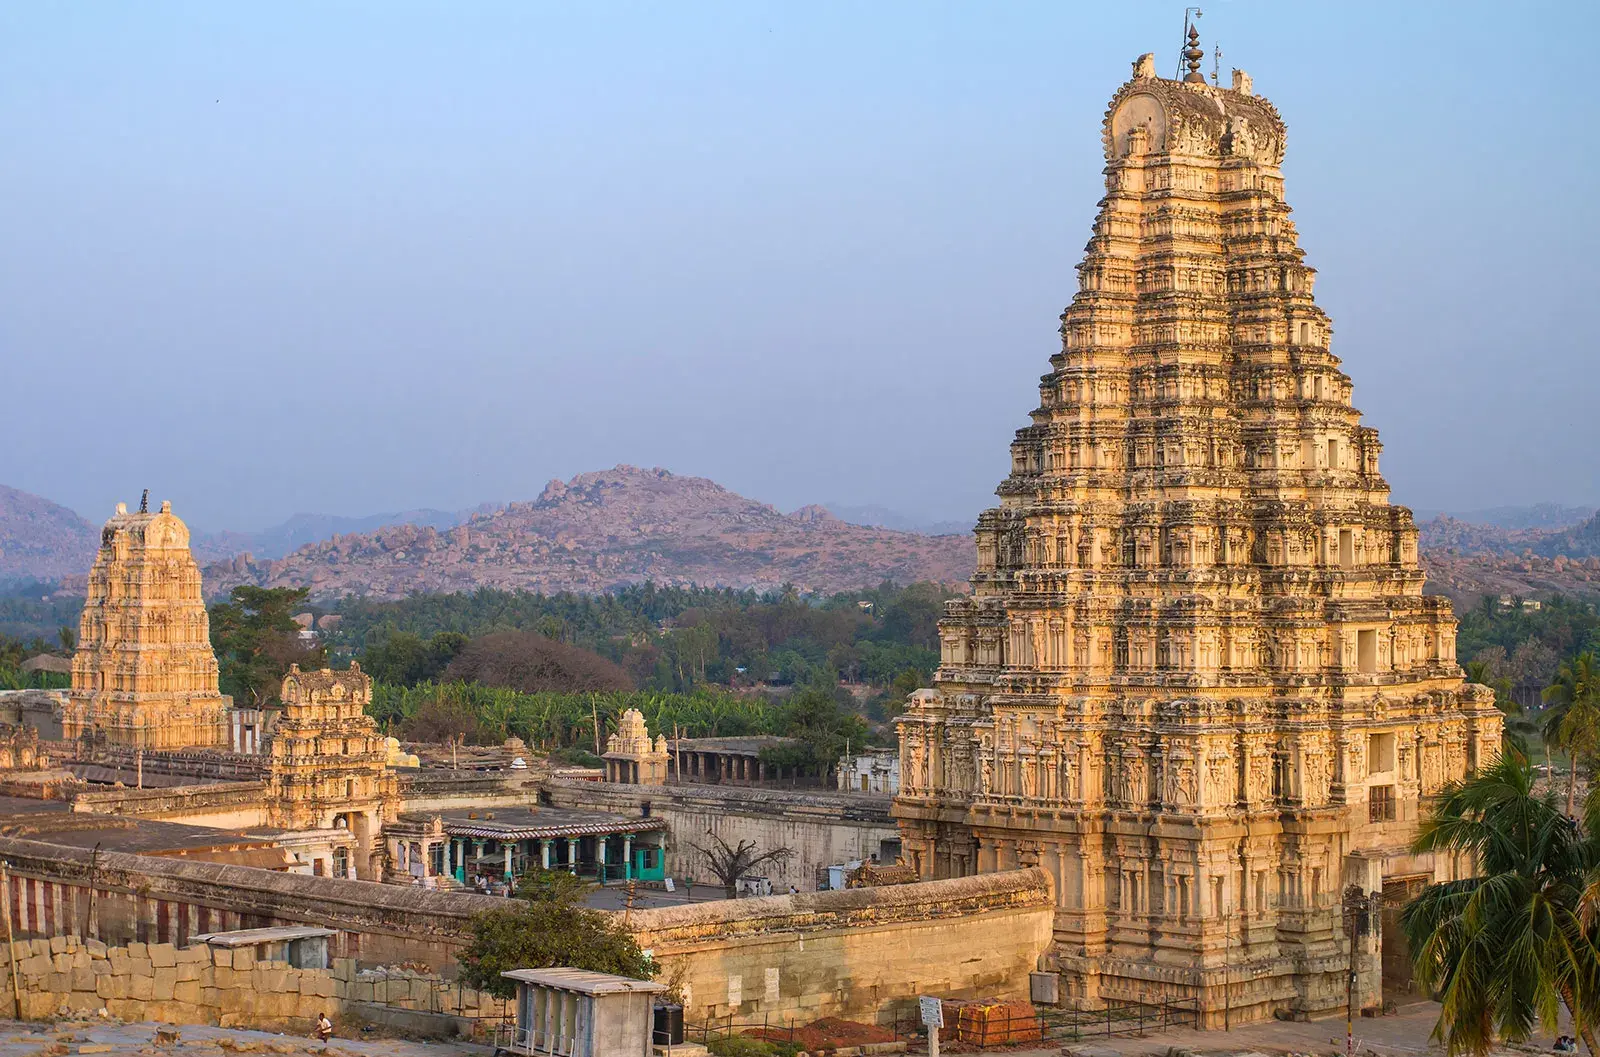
pixel 1193 56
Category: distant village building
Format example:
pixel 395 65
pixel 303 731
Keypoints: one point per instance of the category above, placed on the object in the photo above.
pixel 144 674
pixel 47 662
pixel 877 771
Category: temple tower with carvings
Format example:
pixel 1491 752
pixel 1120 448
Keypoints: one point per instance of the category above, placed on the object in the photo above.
pixel 144 674
pixel 1197 679
pixel 329 764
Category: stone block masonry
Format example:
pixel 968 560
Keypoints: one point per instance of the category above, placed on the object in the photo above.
pixel 219 986
pixel 864 953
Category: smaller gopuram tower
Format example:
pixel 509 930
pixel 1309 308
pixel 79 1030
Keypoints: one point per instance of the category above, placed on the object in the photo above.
pixel 144 674
pixel 329 764
pixel 631 757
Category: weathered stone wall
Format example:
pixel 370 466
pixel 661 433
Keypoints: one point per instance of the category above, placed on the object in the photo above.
pixel 864 953
pixel 229 988
pixel 223 805
pixel 149 899
pixel 822 828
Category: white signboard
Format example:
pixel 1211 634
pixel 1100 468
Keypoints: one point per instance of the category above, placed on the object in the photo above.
pixel 932 1011
pixel 669 885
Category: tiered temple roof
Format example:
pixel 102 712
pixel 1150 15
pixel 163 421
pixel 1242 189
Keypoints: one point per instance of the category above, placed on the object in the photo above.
pixel 1197 671
pixel 144 674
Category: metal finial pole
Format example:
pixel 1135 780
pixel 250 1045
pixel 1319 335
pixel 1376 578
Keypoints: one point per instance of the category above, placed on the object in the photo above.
pixel 1183 41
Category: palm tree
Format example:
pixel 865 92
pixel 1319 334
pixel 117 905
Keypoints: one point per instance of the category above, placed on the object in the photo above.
pixel 1505 950
pixel 1518 727
pixel 1574 724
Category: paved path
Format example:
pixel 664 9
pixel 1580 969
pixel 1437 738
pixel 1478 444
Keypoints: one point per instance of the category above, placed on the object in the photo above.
pixel 127 1040
pixel 1403 1035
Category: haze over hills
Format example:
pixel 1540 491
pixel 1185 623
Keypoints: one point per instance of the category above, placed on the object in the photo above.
pixel 301 529
pixel 41 540
pixel 882 517
pixel 624 525
pixel 602 530
pixel 1537 516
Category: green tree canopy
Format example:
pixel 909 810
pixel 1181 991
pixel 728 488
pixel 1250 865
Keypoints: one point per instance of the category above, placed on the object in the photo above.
pixel 547 925
pixel 256 640
pixel 1506 949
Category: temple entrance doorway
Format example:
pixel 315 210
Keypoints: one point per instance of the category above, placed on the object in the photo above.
pixel 1398 986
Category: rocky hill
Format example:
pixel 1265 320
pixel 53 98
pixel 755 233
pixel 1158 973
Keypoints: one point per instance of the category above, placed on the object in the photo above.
pixel 1579 541
pixel 301 529
pixel 601 530
pixel 40 540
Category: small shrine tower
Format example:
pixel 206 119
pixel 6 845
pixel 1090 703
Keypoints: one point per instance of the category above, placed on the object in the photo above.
pixel 631 758
pixel 144 674
pixel 329 764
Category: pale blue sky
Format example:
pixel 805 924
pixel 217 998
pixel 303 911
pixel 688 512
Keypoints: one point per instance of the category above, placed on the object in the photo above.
pixel 349 257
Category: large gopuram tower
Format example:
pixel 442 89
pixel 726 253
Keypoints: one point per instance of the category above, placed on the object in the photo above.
pixel 1197 679
pixel 144 674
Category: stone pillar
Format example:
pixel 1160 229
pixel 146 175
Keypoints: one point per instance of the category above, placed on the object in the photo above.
pixel 427 858
pixel 572 855
pixel 627 856
pixel 600 856
pixel 761 771
pixel 508 862
pixel 544 854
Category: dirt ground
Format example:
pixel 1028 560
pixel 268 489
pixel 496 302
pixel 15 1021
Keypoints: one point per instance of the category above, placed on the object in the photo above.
pixel 1403 1035
pixel 126 1040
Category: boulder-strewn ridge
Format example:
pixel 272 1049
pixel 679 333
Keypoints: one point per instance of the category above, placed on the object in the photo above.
pixel 601 530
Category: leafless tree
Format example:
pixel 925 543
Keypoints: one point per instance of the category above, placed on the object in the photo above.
pixel 729 862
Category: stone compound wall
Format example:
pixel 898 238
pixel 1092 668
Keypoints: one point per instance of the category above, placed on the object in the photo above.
pixel 861 953
pixel 864 953
pixel 222 805
pixel 228 988
pixel 145 898
pixel 823 828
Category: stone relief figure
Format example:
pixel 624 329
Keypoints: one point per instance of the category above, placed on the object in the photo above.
pixel 1259 782
pixel 1218 780
pixel 1030 776
pixel 1138 779
pixel 1432 766
pixel 913 765
pixel 1187 783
